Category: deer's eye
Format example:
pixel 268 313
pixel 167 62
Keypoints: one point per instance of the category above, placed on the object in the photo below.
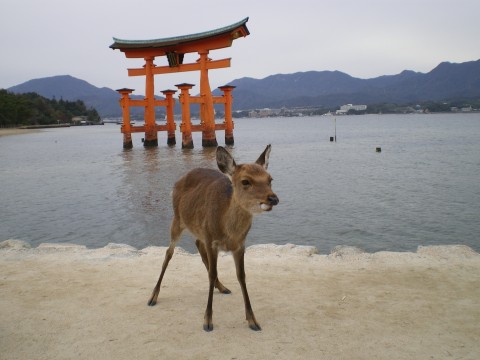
pixel 246 183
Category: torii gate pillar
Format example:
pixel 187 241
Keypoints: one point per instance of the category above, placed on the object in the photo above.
pixel 186 125
pixel 126 127
pixel 149 116
pixel 227 95
pixel 170 116
pixel 207 114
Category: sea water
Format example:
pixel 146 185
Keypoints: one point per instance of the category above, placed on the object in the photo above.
pixel 78 185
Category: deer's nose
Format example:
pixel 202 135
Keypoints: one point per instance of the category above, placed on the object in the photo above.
pixel 273 199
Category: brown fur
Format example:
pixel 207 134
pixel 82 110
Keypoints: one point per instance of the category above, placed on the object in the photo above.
pixel 218 210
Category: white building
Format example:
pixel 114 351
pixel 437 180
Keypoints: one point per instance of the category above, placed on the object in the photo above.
pixel 79 120
pixel 346 108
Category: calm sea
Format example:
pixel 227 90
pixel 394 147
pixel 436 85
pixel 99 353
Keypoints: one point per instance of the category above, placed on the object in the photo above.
pixel 78 185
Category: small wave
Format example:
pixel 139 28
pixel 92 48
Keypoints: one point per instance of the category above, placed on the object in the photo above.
pixel 439 252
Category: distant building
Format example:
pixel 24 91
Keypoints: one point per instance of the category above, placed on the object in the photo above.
pixel 346 108
pixel 79 120
pixel 266 112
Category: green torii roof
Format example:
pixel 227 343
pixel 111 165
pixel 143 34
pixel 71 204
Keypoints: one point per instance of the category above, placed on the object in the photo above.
pixel 178 40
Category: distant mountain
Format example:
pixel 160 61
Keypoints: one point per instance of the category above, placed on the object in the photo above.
pixel 448 81
pixel 334 88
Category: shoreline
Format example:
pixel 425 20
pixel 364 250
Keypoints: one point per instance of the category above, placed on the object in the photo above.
pixel 16 131
pixel 443 251
pixel 62 301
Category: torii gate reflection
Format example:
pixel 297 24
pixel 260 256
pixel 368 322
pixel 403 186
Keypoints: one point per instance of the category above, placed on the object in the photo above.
pixel 174 49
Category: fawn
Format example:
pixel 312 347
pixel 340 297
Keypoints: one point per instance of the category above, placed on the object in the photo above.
pixel 218 210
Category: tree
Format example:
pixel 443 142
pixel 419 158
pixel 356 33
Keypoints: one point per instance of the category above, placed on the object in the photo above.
pixel 33 109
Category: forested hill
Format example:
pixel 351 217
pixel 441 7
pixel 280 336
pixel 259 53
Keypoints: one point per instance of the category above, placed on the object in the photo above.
pixel 33 109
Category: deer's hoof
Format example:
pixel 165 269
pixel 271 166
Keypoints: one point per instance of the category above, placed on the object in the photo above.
pixel 222 289
pixel 255 327
pixel 208 327
pixel 151 302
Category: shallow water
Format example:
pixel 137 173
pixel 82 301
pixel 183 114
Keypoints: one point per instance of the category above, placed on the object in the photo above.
pixel 78 185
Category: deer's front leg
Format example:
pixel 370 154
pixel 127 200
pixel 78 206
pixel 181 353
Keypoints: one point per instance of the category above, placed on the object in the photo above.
pixel 240 267
pixel 212 277
pixel 203 254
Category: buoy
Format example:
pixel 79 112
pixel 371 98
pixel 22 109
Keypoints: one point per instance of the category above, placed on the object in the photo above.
pixel 378 149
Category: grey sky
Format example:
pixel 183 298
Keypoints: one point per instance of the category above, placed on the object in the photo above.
pixel 365 38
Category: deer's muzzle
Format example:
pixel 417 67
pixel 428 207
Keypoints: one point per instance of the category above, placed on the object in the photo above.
pixel 272 200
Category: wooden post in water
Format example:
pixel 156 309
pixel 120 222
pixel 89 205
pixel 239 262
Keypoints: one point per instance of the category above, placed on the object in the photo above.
pixel 335 129
pixel 334 138
pixel 170 116
pixel 207 114
pixel 126 127
pixel 227 95
pixel 149 115
pixel 186 125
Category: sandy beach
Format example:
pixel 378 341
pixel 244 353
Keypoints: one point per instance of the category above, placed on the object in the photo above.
pixel 16 131
pixel 60 301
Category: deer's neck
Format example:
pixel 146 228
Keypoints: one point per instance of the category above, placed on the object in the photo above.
pixel 237 220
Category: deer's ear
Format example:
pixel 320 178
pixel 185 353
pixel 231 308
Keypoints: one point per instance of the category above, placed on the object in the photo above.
pixel 263 159
pixel 225 161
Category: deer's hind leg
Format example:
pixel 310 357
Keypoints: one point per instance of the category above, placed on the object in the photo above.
pixel 212 255
pixel 175 233
pixel 203 254
pixel 239 256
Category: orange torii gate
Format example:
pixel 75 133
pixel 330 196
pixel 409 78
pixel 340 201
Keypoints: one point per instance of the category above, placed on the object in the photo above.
pixel 174 49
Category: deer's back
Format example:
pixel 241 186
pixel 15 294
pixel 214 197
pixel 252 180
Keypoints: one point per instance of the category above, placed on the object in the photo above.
pixel 200 184
pixel 200 200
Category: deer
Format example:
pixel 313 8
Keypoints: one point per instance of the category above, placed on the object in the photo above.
pixel 217 207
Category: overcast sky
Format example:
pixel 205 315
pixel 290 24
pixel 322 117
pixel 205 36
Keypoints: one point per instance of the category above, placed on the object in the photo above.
pixel 365 39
